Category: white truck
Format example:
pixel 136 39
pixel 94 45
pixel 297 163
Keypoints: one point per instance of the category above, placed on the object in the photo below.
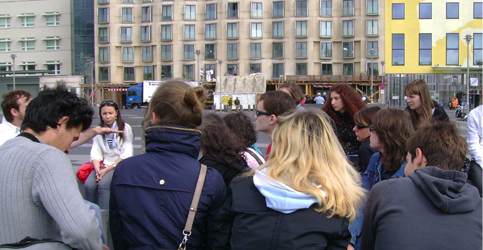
pixel 140 95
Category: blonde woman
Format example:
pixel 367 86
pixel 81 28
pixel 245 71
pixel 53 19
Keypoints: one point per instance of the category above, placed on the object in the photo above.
pixel 303 197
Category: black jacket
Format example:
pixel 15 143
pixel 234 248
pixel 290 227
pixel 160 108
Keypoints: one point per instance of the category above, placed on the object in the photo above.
pixel 245 222
pixel 364 155
pixel 430 209
pixel 228 172
pixel 439 114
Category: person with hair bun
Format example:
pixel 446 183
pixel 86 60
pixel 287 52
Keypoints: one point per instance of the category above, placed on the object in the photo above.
pixel 151 193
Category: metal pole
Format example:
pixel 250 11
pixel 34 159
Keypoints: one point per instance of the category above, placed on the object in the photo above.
pixel 198 68
pixel 372 75
pixel 382 82
pixel 92 83
pixel 468 39
pixel 13 69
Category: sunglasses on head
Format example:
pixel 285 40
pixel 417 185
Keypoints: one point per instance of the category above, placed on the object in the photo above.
pixel 259 113
pixel 360 126
pixel 108 101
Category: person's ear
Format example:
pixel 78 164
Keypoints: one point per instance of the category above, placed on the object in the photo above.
pixel 63 120
pixel 14 112
pixel 154 118
pixel 420 159
pixel 273 120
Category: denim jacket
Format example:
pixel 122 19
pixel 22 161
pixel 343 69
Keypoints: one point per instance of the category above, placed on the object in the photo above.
pixel 374 174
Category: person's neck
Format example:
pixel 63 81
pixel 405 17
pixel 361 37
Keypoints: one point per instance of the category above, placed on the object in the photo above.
pixel 16 123
pixel 419 111
pixel 44 136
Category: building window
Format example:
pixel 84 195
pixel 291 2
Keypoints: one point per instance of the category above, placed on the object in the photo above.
pixel 257 10
pixel 477 49
pixel 103 15
pixel 126 15
pixel 210 11
pixel 210 51
pixel 28 44
pixel 5 67
pixel 277 50
pixel 301 50
pixel 255 68
pixel 256 31
pixel 372 28
pixel 28 21
pixel 126 35
pixel 189 72
pixel 102 1
pixel 52 43
pixel 147 1
pixel 325 28
pixel 232 68
pixel 374 66
pixel 372 7
pixel 326 69
pixel 301 29
pixel 477 11
pixel 147 54
pixel 127 1
pixel 166 71
pixel 425 10
pixel 347 69
pixel 452 49
pixel 189 52
pixel 301 69
pixel 348 28
pixel 348 50
pixel 166 33
pixel 255 50
pixel 232 30
pixel 372 45
pixel 103 35
pixel 189 32
pixel 232 10
pixel 190 12
pixel 301 8
pixel 167 12
pixel 425 44
pixel 28 65
pixel 397 11
pixel 103 54
pixel 209 67
pixel 148 73
pixel 347 7
pixel 52 20
pixel 54 67
pixel 325 50
pixel 4 45
pixel 278 71
pixel 103 74
pixel 127 54
pixel 4 21
pixel 232 51
pixel 277 29
pixel 166 53
pixel 278 10
pixel 325 8
pixel 397 49
pixel 452 10
pixel 210 31
pixel 129 74
pixel 145 33
pixel 146 14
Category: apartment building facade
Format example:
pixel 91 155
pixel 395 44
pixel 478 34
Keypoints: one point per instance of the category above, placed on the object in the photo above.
pixel 152 39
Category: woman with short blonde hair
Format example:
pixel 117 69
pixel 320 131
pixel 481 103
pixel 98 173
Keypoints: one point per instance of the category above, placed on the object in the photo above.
pixel 306 178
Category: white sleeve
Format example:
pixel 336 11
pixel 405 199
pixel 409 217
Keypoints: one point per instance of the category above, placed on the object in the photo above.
pixel 475 135
pixel 127 148
pixel 96 151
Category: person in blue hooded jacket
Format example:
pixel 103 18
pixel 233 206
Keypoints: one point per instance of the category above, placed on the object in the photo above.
pixel 303 197
pixel 151 193
pixel 390 130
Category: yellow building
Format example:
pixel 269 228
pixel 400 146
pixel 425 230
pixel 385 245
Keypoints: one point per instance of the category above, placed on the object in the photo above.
pixel 429 37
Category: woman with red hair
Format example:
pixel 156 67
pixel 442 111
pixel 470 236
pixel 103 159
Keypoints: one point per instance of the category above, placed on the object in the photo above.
pixel 344 102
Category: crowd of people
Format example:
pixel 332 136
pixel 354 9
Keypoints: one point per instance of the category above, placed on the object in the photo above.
pixel 346 176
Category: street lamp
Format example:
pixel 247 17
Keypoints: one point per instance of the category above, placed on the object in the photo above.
pixel 372 73
pixel 220 62
pixel 383 96
pixel 468 39
pixel 198 52
pixel 92 82
pixel 13 56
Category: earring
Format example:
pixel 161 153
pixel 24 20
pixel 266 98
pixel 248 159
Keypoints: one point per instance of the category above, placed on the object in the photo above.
pixel 56 131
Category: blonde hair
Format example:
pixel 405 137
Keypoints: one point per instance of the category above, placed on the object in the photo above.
pixel 307 156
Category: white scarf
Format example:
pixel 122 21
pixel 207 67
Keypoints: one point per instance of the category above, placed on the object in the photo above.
pixel 111 140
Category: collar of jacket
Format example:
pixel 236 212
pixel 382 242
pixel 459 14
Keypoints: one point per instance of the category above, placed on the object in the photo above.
pixel 173 138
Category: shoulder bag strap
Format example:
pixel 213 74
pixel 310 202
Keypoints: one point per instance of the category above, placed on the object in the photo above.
pixel 255 155
pixel 193 207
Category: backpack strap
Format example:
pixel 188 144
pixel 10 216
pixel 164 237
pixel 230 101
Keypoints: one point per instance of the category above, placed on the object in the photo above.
pixel 255 155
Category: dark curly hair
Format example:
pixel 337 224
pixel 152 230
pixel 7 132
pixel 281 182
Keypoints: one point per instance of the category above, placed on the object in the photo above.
pixel 352 101
pixel 218 141
pixel 241 126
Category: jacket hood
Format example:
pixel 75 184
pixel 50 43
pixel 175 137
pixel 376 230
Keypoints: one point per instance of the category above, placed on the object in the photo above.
pixel 446 189
pixel 279 196
pixel 173 138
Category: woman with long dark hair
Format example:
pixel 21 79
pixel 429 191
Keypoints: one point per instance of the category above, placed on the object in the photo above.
pixel 363 119
pixel 343 102
pixel 106 152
